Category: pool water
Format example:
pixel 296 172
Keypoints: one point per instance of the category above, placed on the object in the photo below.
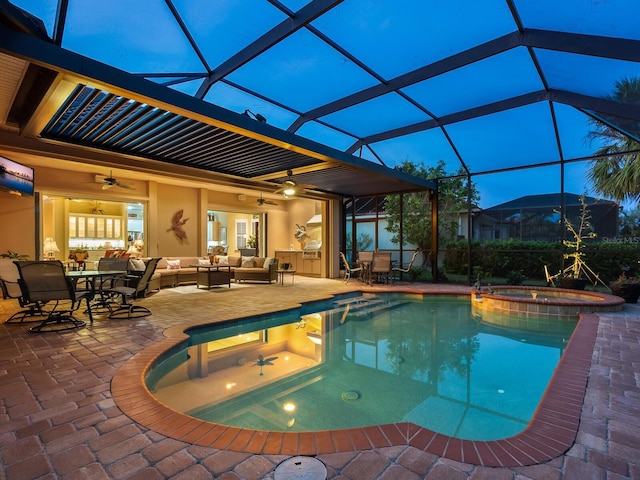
pixel 365 360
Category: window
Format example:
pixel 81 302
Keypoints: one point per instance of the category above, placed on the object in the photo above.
pixel 241 233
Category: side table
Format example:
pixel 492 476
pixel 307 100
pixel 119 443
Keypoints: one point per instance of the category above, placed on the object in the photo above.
pixel 282 273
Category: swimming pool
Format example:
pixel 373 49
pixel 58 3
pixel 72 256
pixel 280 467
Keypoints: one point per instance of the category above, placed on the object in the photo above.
pixel 363 360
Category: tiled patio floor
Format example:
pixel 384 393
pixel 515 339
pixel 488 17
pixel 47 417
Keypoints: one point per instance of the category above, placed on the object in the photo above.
pixel 59 419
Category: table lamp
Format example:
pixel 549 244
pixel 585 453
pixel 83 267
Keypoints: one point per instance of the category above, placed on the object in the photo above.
pixel 50 247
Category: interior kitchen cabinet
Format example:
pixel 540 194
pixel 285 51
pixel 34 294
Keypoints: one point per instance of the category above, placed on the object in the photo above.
pixel 95 227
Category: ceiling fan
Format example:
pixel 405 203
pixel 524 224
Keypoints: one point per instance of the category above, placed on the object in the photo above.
pixel 289 187
pixel 110 182
pixel 263 201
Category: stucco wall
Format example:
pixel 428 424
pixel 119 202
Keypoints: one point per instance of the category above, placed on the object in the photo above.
pixel 18 225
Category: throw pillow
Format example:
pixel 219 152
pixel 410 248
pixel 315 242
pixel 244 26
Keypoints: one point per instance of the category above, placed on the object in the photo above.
pixel 173 264
pixel 247 262
pixel 223 260
pixel 204 261
pixel 136 265
pixel 268 261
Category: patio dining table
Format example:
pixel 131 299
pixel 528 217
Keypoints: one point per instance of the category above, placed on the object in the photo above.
pixel 91 276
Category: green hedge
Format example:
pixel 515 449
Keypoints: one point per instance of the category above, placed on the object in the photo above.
pixel 501 258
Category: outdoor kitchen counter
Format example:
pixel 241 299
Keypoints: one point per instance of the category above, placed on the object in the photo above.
pixel 311 267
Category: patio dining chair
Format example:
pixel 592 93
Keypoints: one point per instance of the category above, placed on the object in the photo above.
pixel 380 267
pixel 103 283
pixel 129 289
pixel 349 270
pixel 9 276
pixel 365 259
pixel 401 270
pixel 45 281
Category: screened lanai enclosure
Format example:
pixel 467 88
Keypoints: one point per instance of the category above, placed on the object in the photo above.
pixel 505 105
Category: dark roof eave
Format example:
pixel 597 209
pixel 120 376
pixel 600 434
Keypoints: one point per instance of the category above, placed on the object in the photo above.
pixel 56 58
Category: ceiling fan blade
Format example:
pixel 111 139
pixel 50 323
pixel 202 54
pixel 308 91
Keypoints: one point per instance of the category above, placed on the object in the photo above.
pixel 264 201
pixel 110 181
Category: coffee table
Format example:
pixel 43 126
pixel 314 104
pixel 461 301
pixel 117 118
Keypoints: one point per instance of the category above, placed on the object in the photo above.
pixel 212 275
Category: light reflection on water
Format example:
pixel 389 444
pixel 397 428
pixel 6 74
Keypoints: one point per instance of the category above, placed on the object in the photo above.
pixel 365 361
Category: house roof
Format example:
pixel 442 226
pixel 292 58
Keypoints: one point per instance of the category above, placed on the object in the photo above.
pixel 549 201
pixel 349 89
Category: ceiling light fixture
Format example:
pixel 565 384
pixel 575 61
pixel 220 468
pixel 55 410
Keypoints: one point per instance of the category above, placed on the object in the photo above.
pixel 255 116
pixel 289 187
pixel 289 191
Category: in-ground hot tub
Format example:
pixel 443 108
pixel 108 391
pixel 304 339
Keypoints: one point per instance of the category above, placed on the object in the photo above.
pixel 541 302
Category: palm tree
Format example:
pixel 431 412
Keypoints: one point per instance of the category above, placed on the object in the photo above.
pixel 630 222
pixel 617 174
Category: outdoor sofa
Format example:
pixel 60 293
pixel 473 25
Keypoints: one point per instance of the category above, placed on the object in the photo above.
pixel 174 271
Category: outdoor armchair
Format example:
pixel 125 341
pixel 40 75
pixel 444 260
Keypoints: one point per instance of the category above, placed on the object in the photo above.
pixel 380 267
pixel 103 283
pixel 349 270
pixel 129 289
pixel 9 276
pixel 45 281
pixel 404 270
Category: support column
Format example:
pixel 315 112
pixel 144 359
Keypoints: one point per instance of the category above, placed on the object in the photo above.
pixel 434 234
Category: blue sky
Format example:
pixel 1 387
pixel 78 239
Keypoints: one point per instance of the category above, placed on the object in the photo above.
pixel 390 39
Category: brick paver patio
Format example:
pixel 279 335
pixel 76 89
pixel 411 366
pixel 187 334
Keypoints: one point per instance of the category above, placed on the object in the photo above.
pixel 59 419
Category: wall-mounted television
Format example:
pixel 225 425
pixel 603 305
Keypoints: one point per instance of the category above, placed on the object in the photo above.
pixel 15 177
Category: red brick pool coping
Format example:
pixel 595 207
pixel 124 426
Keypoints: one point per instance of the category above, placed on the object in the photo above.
pixel 551 432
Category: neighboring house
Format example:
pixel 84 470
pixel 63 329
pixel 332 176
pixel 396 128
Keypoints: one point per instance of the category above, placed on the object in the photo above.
pixel 537 217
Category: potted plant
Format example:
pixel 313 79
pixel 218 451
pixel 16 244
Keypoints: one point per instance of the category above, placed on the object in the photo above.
pixel 626 287
pixel 251 247
pixel 14 255
pixel 79 254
